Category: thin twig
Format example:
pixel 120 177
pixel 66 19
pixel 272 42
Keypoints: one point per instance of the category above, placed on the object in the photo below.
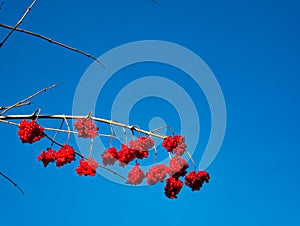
pixel 163 127
pixel 26 99
pixel 192 160
pixel 54 42
pixel 18 23
pixel 19 105
pixel 11 181
pixel 69 130
pixel 155 154
pixel 114 172
pixel 91 147
pixel 55 135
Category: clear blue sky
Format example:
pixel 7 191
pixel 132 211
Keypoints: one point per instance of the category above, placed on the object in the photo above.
pixel 253 49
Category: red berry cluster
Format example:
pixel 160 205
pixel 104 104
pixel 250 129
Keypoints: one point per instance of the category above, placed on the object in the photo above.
pixel 136 175
pixel 126 155
pixel 157 174
pixel 86 128
pixel 172 187
pixel 137 149
pixel 195 180
pixel 30 132
pixel 142 146
pixel 175 144
pixel 87 167
pixel 64 155
pixel 178 167
pixel 47 157
pixel 109 156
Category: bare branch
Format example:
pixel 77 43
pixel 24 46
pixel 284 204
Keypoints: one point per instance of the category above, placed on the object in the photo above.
pixel 11 181
pixel 19 105
pixel 25 101
pixel 18 23
pixel 106 121
pixel 54 42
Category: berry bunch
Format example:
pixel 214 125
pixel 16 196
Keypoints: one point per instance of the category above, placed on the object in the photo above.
pixel 109 156
pixel 175 144
pixel 195 180
pixel 136 175
pixel 86 128
pixel 178 167
pixel 47 157
pixel 172 187
pixel 142 143
pixel 126 155
pixel 30 132
pixel 157 174
pixel 137 149
pixel 87 167
pixel 64 155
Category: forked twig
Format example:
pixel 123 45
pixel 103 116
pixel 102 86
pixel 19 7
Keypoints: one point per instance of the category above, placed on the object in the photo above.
pixel 18 23
pixel 54 42
pixel 22 102
pixel 11 181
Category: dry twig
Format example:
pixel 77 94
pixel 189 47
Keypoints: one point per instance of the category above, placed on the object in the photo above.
pixel 53 42
pixel 18 23
pixel 25 101
pixel 11 181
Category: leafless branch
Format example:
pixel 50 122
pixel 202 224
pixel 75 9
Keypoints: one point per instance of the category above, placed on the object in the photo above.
pixel 11 181
pixel 53 42
pixel 106 121
pixel 18 23
pixel 25 101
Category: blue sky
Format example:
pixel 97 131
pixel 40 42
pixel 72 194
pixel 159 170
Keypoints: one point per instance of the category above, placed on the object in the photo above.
pixel 252 47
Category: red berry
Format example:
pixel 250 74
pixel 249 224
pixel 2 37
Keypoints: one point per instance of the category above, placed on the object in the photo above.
pixel 109 156
pixel 87 167
pixel 172 187
pixel 195 180
pixel 86 128
pixel 30 132
pixel 175 144
pixel 181 146
pixel 178 167
pixel 64 155
pixel 126 155
pixel 157 174
pixel 142 146
pixel 47 157
pixel 136 175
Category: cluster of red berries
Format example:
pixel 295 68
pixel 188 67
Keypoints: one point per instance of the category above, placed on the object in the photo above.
pixel 109 156
pixel 173 187
pixel 157 174
pixel 30 132
pixel 175 144
pixel 195 180
pixel 142 146
pixel 64 155
pixel 136 175
pixel 87 167
pixel 86 128
pixel 178 167
pixel 137 149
